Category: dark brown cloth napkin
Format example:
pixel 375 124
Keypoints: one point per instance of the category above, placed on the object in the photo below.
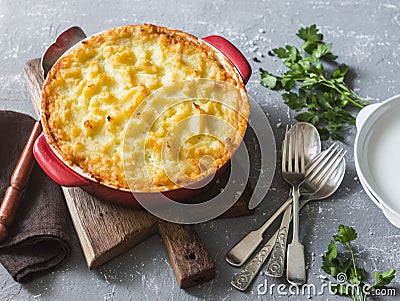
pixel 38 240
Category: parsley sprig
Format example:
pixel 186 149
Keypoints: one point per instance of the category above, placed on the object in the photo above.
pixel 346 270
pixel 323 98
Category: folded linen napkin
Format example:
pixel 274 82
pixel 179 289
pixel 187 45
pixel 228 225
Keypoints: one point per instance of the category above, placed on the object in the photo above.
pixel 38 240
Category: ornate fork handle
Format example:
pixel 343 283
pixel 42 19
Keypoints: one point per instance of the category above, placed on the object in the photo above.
pixel 245 277
pixel 276 262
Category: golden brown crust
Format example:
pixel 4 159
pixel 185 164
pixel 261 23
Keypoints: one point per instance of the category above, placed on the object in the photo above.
pixel 91 92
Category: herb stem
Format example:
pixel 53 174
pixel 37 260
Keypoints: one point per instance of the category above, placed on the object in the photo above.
pixel 357 293
pixel 352 258
pixel 333 264
pixel 328 84
pixel 361 103
pixel 321 97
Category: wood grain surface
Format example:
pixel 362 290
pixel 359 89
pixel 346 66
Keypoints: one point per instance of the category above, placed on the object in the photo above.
pixel 106 230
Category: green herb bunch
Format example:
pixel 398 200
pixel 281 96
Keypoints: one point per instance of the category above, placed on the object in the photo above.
pixel 323 97
pixel 345 270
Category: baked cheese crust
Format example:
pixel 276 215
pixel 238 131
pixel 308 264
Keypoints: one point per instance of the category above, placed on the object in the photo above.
pixel 94 93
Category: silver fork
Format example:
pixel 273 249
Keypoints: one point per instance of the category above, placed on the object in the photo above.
pixel 293 171
pixel 328 180
pixel 318 172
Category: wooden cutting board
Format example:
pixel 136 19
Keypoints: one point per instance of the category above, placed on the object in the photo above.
pixel 106 230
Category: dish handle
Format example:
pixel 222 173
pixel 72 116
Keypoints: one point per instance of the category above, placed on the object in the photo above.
pixel 371 195
pixel 54 167
pixel 364 113
pixel 232 53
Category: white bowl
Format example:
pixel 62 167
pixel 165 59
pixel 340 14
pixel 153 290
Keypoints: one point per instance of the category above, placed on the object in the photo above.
pixel 377 158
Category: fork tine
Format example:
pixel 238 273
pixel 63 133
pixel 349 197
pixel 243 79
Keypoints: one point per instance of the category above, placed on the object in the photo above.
pixel 284 150
pixel 334 168
pixel 296 150
pixel 312 165
pixel 290 155
pixel 329 170
pixel 302 158
pixel 323 164
pixel 316 165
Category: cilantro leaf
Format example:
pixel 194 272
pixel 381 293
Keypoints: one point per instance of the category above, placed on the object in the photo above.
pixel 384 278
pixel 294 101
pixel 356 275
pixel 332 250
pixel 346 234
pixel 268 80
pixel 334 267
pixel 334 263
pixel 310 34
pixel 281 52
pixel 324 133
pixel 331 267
pixel 321 50
pixel 309 116
pixel 288 83
pixel 328 98
pixel 313 40
pixel 339 74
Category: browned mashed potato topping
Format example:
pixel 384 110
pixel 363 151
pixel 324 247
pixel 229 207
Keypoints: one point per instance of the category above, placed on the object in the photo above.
pixel 94 90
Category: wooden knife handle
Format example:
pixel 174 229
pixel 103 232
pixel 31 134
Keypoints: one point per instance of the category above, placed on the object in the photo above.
pixel 18 181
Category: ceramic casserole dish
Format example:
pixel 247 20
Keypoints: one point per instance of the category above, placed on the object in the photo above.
pixel 376 154
pixel 93 92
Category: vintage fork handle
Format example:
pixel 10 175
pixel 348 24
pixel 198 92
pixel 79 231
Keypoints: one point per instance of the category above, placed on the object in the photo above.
pixel 279 252
pixel 276 263
pixel 245 277
pixel 246 246
pixel 296 266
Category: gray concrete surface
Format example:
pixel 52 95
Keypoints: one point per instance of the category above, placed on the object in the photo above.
pixel 365 35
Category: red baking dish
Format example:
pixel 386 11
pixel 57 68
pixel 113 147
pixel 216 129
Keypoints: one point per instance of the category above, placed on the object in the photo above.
pixel 65 175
